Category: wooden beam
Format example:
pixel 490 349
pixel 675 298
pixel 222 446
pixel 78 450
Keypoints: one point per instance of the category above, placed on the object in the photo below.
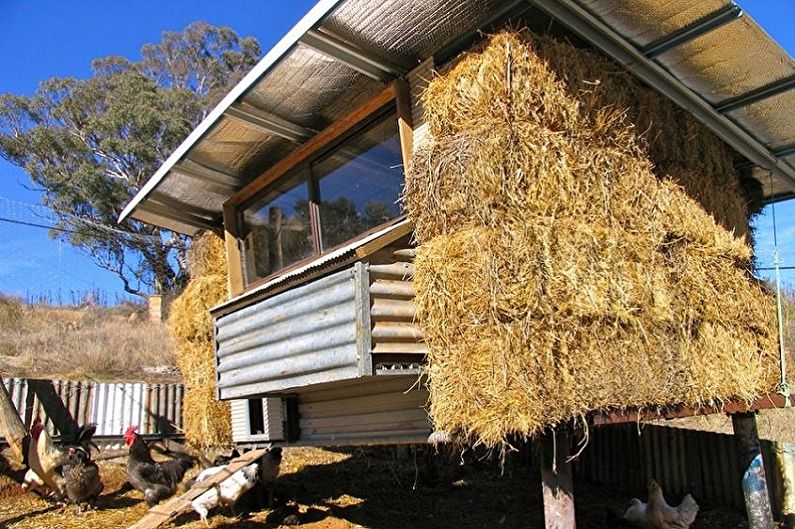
pixel 11 426
pixel 405 126
pixel 234 258
pixel 557 487
pixel 160 514
pixel 753 479
pixel 677 412
pixel 321 140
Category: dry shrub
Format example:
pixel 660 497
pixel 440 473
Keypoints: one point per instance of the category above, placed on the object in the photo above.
pixel 207 420
pixel 583 247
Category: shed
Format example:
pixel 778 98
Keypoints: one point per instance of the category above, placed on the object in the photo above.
pixel 300 166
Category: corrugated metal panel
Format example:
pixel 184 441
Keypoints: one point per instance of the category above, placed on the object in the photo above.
pixel 371 410
pixel 703 464
pixel 644 22
pixel 307 335
pixel 396 340
pixel 156 408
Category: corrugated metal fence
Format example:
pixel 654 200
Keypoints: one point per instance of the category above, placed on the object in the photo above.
pixel 155 408
pixel 703 464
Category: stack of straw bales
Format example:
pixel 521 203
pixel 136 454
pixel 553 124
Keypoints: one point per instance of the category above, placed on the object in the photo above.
pixel 207 420
pixel 584 246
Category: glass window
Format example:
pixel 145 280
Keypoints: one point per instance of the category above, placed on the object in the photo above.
pixel 276 228
pixel 360 181
pixel 324 202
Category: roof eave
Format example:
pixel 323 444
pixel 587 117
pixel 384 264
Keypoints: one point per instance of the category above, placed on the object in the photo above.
pixel 310 20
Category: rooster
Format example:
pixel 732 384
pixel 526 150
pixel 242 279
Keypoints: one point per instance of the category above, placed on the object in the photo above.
pixel 657 514
pixel 81 476
pixel 157 480
pixel 45 459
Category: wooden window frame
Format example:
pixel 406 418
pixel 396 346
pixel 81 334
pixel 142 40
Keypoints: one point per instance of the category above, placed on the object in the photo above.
pixel 395 94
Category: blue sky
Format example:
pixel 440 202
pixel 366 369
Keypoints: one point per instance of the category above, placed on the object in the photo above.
pixel 45 38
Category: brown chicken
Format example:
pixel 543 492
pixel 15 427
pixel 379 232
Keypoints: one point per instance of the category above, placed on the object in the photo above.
pixel 46 459
pixel 157 480
pixel 81 475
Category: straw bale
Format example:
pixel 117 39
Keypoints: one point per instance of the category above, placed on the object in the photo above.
pixel 207 420
pixel 584 246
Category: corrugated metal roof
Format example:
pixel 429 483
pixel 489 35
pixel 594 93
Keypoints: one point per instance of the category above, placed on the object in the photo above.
pixel 704 54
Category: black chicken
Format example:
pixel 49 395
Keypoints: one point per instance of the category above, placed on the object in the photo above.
pixel 157 480
pixel 81 476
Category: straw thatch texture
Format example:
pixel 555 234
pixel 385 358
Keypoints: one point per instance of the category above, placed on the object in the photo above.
pixel 583 246
pixel 207 420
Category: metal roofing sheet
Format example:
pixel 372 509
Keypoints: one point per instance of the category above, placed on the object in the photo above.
pixel 304 86
pixel 729 61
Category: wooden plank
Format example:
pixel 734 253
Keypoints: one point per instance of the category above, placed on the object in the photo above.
pixel 405 126
pixel 160 514
pixel 676 412
pixel 754 482
pixel 234 258
pixel 11 426
pixel 321 140
pixel 557 487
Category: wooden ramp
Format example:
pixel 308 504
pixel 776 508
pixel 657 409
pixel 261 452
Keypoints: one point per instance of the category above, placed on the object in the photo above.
pixel 160 514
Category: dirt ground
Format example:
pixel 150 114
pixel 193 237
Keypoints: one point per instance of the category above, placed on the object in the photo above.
pixel 374 488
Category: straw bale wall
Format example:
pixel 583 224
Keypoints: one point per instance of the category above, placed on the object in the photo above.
pixel 584 246
pixel 207 420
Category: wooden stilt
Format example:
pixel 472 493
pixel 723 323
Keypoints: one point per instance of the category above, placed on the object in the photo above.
pixel 556 481
pixel 754 482
pixel 11 426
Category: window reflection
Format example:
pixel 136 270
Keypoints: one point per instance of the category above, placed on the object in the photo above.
pixel 277 228
pixel 348 190
pixel 360 182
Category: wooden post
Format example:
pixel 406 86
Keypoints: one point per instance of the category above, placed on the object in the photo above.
pixel 10 423
pixel 754 483
pixel 556 481
pixel 785 466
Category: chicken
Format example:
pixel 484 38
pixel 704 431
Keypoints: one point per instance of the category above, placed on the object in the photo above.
pixel 46 459
pixel 657 514
pixel 157 480
pixel 227 492
pixel 81 474
pixel 636 513
pixel 34 483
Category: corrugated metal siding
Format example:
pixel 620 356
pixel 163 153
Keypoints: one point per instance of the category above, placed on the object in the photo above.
pixel 371 410
pixel 703 464
pixel 396 339
pixel 156 408
pixel 307 335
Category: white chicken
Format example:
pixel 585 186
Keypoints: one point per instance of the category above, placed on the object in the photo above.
pixel 34 483
pixel 45 459
pixel 657 514
pixel 227 492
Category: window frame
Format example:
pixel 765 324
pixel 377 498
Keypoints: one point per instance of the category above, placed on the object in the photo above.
pixel 394 96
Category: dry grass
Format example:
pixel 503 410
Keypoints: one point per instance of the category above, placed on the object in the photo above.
pixel 116 343
pixel 207 420
pixel 583 247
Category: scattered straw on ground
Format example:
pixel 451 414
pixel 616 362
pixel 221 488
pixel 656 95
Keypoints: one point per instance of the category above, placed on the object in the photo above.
pixel 353 488
pixel 584 245
pixel 207 420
